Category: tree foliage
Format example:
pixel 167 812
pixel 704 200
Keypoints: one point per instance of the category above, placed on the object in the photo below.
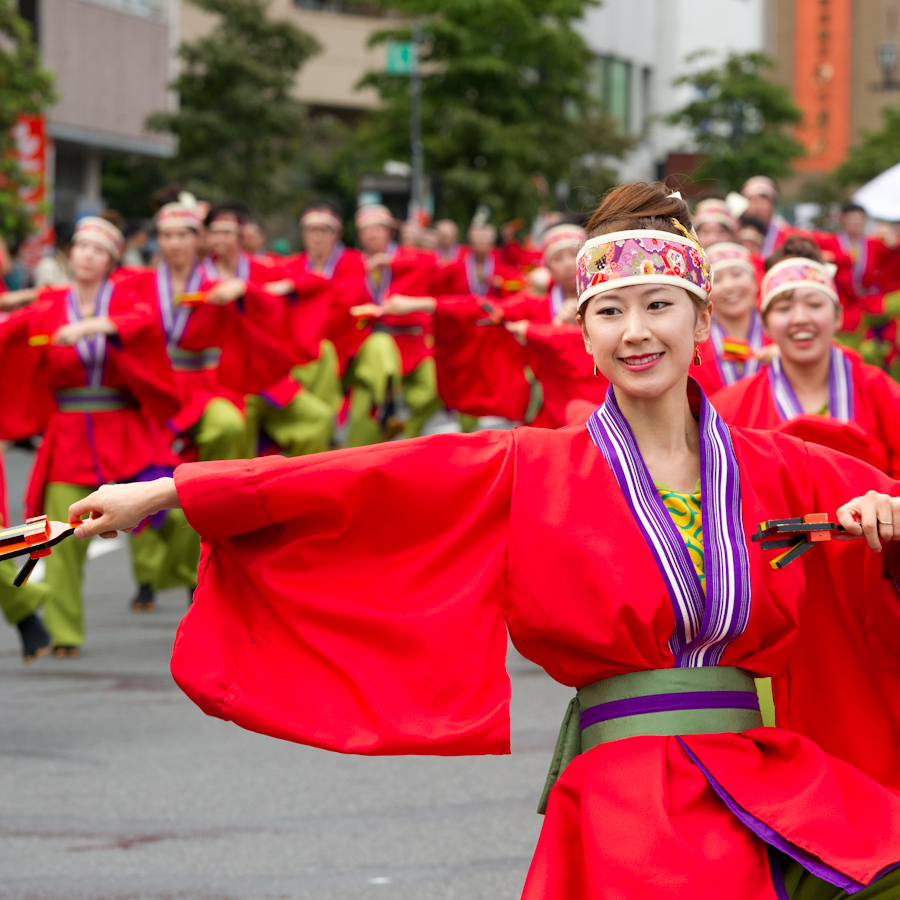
pixel 240 131
pixel 506 107
pixel 740 121
pixel 877 151
pixel 25 88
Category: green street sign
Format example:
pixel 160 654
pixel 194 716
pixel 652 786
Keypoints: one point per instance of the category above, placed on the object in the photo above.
pixel 401 58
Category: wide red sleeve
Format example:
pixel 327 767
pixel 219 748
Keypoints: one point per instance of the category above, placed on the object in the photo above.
pixel 354 600
pixel 841 684
pixel 26 401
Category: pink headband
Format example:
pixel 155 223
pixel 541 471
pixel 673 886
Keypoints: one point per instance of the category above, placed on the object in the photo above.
pixel 760 184
pixel 178 215
pixel 622 258
pixel 321 217
pixel 93 228
pixel 798 272
pixel 375 214
pixel 226 221
pixel 561 236
pixel 715 211
pixel 482 233
pixel 725 255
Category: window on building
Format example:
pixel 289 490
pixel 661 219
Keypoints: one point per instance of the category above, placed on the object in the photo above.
pixel 355 7
pixel 612 87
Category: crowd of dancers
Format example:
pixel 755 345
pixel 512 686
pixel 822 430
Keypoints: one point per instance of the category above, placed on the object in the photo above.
pixel 221 351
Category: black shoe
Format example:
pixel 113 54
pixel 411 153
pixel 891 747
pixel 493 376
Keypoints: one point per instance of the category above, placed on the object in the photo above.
pixel 145 600
pixel 36 640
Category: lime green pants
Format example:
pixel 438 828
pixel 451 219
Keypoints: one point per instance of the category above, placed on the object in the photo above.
pixel 801 885
pixel 376 368
pixel 166 557
pixel 19 603
pixel 220 432
pixel 306 424
pixel 63 611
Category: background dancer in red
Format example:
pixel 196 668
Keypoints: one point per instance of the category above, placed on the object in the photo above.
pixel 641 522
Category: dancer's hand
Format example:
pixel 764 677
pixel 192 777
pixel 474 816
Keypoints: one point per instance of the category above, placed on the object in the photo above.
pixel 280 288
pixel 72 333
pixel 121 507
pixel 874 516
pixel 227 291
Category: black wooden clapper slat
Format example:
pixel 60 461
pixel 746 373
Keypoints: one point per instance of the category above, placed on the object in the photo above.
pixel 797 535
pixel 35 539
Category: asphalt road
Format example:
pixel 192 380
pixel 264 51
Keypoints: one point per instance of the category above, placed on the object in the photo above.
pixel 114 786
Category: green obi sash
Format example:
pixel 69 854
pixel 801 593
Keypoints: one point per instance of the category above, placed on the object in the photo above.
pixel 706 700
pixel 94 399
pixel 194 360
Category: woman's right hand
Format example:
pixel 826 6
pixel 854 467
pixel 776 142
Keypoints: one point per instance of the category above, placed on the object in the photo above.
pixel 121 507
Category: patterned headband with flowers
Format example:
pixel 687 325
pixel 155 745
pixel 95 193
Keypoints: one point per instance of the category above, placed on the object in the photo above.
pixel 622 258
pixel 726 255
pixel 798 272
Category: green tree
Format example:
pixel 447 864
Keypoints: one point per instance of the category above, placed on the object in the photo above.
pixel 25 87
pixel 740 120
pixel 506 106
pixel 240 131
pixel 877 151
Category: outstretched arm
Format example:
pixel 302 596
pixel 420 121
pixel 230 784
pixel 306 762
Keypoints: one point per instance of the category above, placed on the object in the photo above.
pixel 120 507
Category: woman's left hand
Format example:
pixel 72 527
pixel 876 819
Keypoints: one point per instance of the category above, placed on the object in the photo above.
pixel 874 516
pixel 70 334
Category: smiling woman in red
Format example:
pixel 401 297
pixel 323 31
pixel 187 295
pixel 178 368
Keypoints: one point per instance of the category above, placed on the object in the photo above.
pixel 815 389
pixel 617 557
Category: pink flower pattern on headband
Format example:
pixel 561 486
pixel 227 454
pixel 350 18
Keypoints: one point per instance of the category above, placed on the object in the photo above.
pixel 642 257
pixel 795 273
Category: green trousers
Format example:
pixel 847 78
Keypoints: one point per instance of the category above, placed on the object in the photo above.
pixel 166 557
pixel 801 885
pixel 19 603
pixel 63 611
pixel 374 370
pixel 220 432
pixel 306 424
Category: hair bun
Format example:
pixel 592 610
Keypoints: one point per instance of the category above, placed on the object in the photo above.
pixel 800 246
pixel 640 207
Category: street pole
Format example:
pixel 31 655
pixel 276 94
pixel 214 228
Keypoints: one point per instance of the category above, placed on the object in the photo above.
pixel 417 156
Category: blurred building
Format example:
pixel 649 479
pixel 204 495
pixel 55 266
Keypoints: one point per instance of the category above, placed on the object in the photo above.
pixel 327 83
pixel 841 59
pixel 643 46
pixel 112 60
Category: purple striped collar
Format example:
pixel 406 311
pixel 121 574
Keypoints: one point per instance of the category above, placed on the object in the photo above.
pixel 704 624
pixel 242 271
pixel 732 371
pixel 331 263
pixel 479 286
pixel 380 291
pixel 840 389
pixel 92 350
pixel 174 322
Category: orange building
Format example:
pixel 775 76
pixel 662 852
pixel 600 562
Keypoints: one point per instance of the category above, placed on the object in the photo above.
pixel 841 60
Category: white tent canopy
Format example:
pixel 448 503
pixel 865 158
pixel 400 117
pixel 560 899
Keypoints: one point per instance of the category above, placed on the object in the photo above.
pixel 880 198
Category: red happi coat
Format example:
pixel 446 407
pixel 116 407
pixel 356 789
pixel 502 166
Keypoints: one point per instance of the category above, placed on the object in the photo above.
pixel 873 435
pixel 94 448
pixel 24 406
pixel 454 279
pixel 480 365
pixel 341 328
pixel 210 327
pixel 565 372
pixel 411 274
pixel 528 531
pixel 244 368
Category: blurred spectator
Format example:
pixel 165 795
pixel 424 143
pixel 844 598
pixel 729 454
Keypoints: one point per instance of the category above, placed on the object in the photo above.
pixel 136 236
pixel 752 234
pixel 253 238
pixel 54 268
pixel 447 233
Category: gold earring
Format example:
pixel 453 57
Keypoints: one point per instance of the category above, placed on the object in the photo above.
pixel 596 373
pixel 697 359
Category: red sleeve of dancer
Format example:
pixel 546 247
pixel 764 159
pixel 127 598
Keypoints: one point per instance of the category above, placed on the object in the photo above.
pixel 354 600
pixel 27 401
pixel 841 684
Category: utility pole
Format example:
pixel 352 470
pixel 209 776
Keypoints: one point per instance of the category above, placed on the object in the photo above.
pixel 417 155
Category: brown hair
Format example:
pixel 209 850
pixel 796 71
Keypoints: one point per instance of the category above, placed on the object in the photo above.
pixel 642 207
pixel 797 246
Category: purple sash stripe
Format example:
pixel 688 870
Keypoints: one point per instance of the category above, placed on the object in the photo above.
pixel 840 389
pixel 92 350
pixel 771 837
pixel 175 323
pixel 557 299
pixel 655 703
pixel 331 263
pixel 704 624
pixel 733 371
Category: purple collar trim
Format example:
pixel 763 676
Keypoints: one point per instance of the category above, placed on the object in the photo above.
pixel 655 703
pixel 174 322
pixel 92 350
pixel 732 371
pixel 840 389
pixel 479 286
pixel 242 269
pixel 331 263
pixel 379 291
pixel 704 624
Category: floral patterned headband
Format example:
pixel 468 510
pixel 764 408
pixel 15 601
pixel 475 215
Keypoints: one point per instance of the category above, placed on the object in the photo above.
pixel 798 272
pixel 622 258
pixel 725 254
